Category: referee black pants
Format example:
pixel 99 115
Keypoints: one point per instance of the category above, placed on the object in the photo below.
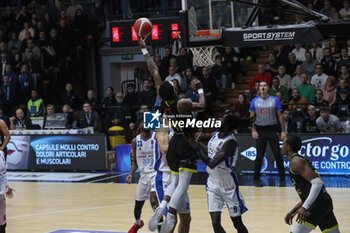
pixel 268 134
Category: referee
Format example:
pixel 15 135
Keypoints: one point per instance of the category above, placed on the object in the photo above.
pixel 263 111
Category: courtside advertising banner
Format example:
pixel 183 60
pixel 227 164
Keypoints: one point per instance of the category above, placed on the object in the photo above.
pixel 329 154
pixel 57 152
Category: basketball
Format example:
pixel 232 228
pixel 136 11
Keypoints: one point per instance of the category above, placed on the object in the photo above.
pixel 143 27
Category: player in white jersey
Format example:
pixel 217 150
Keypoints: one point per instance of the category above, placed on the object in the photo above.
pixel 145 152
pixel 4 190
pixel 222 185
pixel 162 184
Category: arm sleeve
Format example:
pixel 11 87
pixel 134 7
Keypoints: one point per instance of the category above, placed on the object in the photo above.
pixel 316 186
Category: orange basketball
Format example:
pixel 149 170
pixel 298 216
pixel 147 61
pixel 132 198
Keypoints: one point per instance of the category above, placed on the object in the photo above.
pixel 143 27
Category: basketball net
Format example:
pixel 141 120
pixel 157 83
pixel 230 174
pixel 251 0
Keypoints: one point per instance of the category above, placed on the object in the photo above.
pixel 203 56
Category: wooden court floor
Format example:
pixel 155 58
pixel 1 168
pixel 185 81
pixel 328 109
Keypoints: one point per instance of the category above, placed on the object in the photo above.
pixel 44 207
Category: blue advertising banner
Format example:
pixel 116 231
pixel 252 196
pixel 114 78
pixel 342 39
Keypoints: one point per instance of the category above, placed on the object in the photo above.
pixel 329 154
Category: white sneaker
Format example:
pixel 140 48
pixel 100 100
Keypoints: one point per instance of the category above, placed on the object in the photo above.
pixel 167 225
pixel 233 85
pixel 153 222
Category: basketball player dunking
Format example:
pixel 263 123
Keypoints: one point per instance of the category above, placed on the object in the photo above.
pixel 222 186
pixel 145 152
pixel 181 157
pixel 315 207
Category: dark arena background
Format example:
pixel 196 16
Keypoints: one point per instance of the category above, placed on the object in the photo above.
pixel 75 85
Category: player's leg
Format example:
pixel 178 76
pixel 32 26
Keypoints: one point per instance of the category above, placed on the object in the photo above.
pixel 329 223
pixel 239 225
pixel 142 194
pixel 261 144
pixel 301 228
pixel 216 222
pixel 274 144
pixel 184 212
pixel 159 212
pixel 215 206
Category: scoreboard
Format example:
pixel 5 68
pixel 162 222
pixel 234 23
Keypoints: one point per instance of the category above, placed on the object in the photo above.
pixel 164 31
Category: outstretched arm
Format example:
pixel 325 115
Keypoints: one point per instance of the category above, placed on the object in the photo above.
pixel 152 67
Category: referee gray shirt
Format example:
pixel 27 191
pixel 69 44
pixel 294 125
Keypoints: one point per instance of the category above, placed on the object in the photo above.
pixel 265 110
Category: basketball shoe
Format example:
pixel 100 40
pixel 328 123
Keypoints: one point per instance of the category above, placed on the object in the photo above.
pixel 136 227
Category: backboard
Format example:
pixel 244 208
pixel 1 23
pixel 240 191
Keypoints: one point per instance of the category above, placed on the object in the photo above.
pixel 202 21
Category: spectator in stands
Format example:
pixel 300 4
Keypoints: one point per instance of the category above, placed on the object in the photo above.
pixel 319 101
pixel 277 87
pixel 164 70
pixel 89 118
pixel 173 75
pixel 4 104
pixel 342 84
pixel 192 94
pixel 231 61
pixel 14 44
pixel 328 63
pixel 4 62
pixel 183 60
pixel 344 74
pixel 287 120
pixel 209 85
pixel 33 66
pixel 261 76
pixel 297 101
pixel 50 109
pixel 25 82
pixel 334 48
pixel 72 9
pixel 253 94
pixel 306 90
pixel 108 102
pixel 10 92
pixel 341 107
pixel 23 16
pixel 176 85
pixel 24 45
pixel 31 47
pixel 4 49
pixel 42 41
pixel 309 65
pixel 316 52
pixel 70 116
pixel 344 60
pixel 188 76
pixel 80 24
pixel 282 53
pixel 345 12
pixel 292 64
pixel 327 9
pixel 71 98
pixel 119 112
pixel 26 27
pixel 139 114
pixel 65 17
pixel 35 105
pixel 20 120
pixel 148 95
pixel 328 123
pixel 241 109
pixel 132 100
pixel 272 64
pixel 12 75
pixel 329 90
pixel 309 124
pixel 5 118
pixel 285 79
pixel 219 72
pixel 319 79
pixel 94 103
pixel 17 65
pixel 279 96
pixel 157 59
pixel 299 52
pixel 296 80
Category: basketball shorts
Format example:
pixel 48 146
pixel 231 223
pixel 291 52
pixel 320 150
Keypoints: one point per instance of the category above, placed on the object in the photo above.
pixel 162 181
pixel 144 186
pixel 322 215
pixel 2 210
pixel 219 196
pixel 181 156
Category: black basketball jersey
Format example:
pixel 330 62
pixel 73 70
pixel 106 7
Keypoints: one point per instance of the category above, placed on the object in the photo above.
pixel 302 186
pixel 173 114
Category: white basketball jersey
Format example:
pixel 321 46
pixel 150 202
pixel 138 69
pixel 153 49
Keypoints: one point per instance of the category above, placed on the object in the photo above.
pixel 222 173
pixel 146 152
